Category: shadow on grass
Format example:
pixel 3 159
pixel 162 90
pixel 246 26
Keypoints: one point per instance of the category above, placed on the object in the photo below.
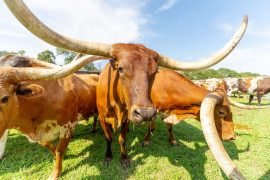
pixel 192 159
pixel 265 176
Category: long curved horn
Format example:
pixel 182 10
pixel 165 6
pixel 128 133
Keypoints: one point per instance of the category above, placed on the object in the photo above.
pixel 44 64
pixel 33 24
pixel 208 62
pixel 243 106
pixel 23 74
pixel 212 139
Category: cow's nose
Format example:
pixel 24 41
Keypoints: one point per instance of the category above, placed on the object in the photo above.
pixel 232 138
pixel 141 115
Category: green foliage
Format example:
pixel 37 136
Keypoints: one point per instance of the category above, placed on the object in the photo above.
pixel 69 56
pixel 21 52
pixel 47 56
pixel 219 74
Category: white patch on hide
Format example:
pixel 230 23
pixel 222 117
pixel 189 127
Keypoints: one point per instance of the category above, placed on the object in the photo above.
pixel 50 130
pixel 169 118
pixel 232 84
pixel 254 84
pixel 3 141
pixel 172 119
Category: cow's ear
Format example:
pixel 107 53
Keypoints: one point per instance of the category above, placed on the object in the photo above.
pixel 29 90
pixel 114 63
pixel 199 103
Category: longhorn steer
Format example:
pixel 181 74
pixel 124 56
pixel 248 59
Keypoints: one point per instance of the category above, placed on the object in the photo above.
pixel 178 98
pixel 124 87
pixel 21 61
pixel 250 85
pixel 44 111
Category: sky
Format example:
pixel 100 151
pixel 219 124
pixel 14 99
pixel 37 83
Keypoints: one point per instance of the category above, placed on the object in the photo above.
pixel 186 30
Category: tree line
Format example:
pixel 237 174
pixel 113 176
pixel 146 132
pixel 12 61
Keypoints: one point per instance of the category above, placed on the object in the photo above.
pixel 219 74
pixel 48 56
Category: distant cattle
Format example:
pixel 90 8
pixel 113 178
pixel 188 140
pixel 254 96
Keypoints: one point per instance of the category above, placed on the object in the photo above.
pixel 45 110
pixel 251 85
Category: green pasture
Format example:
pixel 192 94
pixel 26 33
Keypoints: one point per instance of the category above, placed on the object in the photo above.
pixel 191 160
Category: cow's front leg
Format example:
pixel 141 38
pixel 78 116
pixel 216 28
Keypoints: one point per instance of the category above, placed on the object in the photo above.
pixel 171 138
pixel 109 137
pixel 49 145
pixel 151 128
pixel 250 99
pixel 3 141
pixel 122 141
pixel 59 153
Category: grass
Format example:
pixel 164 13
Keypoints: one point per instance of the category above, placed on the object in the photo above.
pixel 191 160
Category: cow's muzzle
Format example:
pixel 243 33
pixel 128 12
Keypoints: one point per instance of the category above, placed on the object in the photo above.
pixel 144 115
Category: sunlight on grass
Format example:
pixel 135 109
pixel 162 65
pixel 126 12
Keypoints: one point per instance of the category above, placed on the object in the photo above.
pixel 191 160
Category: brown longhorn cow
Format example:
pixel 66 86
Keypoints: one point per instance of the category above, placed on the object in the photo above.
pixel 46 110
pixel 178 98
pixel 125 84
pixel 22 61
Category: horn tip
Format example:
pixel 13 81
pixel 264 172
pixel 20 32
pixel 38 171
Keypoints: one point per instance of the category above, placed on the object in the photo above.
pixel 245 20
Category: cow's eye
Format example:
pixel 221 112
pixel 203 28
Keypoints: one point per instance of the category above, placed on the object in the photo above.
pixel 120 69
pixel 5 99
pixel 221 113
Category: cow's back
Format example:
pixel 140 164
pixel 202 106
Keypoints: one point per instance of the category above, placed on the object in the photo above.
pixel 172 89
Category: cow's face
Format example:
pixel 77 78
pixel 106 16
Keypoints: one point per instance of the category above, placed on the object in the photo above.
pixel 136 66
pixel 6 104
pixel 223 120
pixel 9 95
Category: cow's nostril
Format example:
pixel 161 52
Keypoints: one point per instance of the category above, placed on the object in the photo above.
pixel 232 138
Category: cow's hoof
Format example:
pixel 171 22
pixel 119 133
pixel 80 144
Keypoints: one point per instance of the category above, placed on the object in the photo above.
pixel 107 160
pixel 125 164
pixel 145 143
pixel 174 143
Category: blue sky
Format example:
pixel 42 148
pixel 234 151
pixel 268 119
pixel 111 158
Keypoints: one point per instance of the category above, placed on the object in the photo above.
pixel 186 30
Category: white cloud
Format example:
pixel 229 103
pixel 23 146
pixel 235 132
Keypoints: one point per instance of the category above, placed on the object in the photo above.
pixel 253 29
pixel 169 4
pixel 255 59
pixel 96 20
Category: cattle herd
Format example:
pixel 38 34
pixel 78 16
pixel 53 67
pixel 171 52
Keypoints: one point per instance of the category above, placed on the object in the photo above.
pixel 45 101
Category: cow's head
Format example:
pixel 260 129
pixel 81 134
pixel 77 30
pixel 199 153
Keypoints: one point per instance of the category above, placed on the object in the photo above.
pixel 10 92
pixel 223 117
pixel 136 67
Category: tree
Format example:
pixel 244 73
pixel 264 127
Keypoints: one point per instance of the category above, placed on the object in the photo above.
pixel 69 56
pixel 21 52
pixel 47 56
pixel 227 72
